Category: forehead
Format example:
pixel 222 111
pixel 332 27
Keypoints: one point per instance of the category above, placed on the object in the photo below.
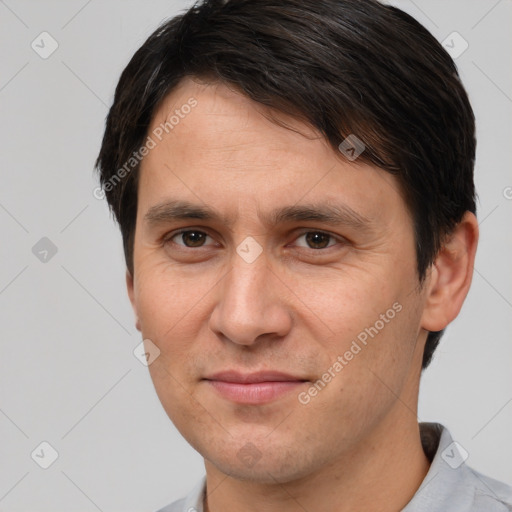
pixel 216 146
pixel 223 120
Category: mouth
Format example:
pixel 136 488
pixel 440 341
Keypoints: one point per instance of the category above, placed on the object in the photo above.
pixel 253 388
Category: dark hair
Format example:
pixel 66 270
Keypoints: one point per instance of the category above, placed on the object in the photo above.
pixel 343 66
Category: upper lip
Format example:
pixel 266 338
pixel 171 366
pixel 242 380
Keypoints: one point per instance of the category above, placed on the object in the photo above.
pixel 250 378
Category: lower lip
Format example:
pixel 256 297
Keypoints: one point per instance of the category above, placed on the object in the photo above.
pixel 254 393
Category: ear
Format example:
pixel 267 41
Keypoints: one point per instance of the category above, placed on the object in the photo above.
pixel 451 274
pixel 131 295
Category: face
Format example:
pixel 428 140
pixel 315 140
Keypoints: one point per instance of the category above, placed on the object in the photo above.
pixel 278 281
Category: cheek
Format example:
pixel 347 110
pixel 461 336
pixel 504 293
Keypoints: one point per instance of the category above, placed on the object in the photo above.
pixel 168 301
pixel 373 325
pixel 344 304
pixel 169 306
pixel 372 377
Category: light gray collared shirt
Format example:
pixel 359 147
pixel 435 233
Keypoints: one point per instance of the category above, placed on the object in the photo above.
pixel 449 486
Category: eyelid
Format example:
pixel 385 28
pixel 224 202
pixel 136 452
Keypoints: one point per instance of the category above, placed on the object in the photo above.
pixel 169 236
pixel 304 231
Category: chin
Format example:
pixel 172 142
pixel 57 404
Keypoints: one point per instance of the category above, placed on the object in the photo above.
pixel 260 474
pixel 262 465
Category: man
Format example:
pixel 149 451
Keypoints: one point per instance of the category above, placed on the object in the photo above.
pixel 294 185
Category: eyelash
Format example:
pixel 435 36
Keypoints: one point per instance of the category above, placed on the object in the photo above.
pixel 168 238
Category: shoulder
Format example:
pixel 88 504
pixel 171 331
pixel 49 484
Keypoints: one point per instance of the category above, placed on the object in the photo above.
pixel 176 506
pixel 489 495
pixel 193 502
pixel 452 485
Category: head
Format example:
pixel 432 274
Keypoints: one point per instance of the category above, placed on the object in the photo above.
pixel 254 240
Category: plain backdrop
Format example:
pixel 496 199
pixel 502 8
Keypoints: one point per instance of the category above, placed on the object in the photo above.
pixel 68 375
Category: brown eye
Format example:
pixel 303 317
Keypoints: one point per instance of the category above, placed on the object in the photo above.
pixel 190 238
pixel 317 240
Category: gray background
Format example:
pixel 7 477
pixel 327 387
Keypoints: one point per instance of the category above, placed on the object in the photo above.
pixel 68 375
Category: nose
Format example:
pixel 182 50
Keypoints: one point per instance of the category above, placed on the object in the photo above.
pixel 250 306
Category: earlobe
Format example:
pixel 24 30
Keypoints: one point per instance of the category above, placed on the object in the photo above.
pixel 451 275
pixel 131 296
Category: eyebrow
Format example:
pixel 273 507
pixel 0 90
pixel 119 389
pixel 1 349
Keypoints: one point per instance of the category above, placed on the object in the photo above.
pixel 335 215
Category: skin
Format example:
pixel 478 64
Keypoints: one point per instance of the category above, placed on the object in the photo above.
pixel 295 309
